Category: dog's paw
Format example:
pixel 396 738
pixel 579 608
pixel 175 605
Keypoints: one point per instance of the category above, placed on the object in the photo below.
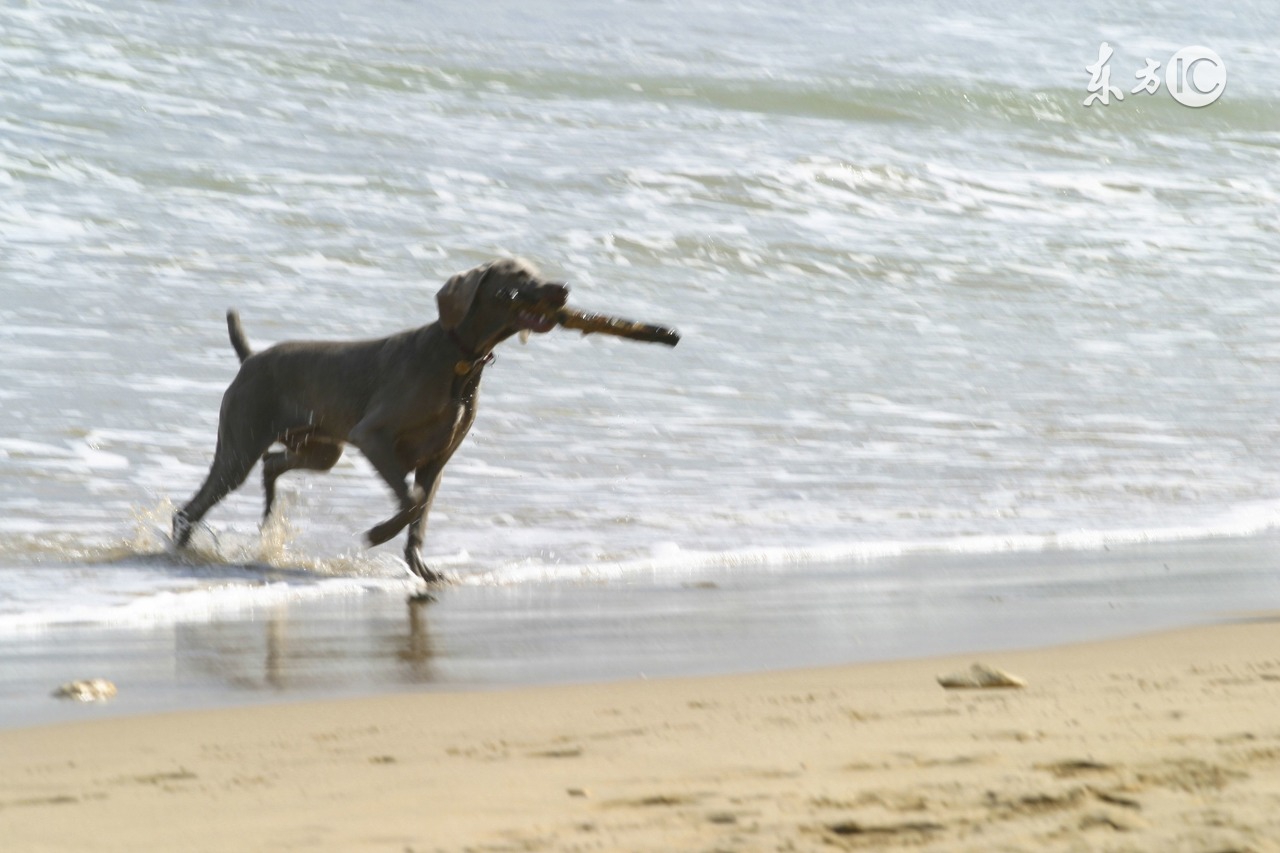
pixel 181 532
pixel 419 567
pixel 383 532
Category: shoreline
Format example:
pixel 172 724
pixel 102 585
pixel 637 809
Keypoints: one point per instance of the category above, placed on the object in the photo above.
pixel 1165 740
pixel 709 623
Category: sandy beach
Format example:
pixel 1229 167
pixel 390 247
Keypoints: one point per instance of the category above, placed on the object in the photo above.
pixel 1167 741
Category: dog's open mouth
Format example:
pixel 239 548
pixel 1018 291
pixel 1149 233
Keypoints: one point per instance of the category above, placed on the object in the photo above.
pixel 535 321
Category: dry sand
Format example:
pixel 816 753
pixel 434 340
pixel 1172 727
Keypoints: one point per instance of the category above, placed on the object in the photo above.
pixel 1168 742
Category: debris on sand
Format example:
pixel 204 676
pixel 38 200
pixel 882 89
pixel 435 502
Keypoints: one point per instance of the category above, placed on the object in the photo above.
pixel 87 690
pixel 980 676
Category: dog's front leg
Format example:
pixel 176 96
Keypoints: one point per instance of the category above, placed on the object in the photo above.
pixel 427 479
pixel 378 446
pixel 431 448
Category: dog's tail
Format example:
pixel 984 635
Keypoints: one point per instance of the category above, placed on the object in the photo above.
pixel 238 340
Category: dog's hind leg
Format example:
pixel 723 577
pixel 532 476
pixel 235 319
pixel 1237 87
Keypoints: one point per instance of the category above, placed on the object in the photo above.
pixel 308 455
pixel 230 468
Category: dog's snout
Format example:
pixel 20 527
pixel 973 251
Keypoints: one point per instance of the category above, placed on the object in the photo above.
pixel 555 292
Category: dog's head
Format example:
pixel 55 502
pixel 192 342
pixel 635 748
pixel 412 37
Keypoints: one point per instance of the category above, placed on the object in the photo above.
pixel 488 304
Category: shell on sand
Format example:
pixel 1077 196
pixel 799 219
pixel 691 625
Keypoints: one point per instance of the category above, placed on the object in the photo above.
pixel 87 690
pixel 980 676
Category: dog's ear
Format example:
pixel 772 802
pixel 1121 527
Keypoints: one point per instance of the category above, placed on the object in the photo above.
pixel 455 298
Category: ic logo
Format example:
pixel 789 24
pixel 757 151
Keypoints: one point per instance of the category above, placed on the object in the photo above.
pixel 1195 76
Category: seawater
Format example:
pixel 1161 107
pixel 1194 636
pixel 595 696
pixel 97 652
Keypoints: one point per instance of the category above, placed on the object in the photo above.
pixel 930 302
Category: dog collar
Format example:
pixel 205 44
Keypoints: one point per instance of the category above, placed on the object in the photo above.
pixel 471 360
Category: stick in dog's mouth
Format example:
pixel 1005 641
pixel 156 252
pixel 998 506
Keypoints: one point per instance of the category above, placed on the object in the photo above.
pixel 590 323
pixel 587 323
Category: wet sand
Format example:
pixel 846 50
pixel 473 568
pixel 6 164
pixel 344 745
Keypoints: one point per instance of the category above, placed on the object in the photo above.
pixel 1167 741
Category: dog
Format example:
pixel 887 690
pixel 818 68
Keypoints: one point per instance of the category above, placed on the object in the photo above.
pixel 405 401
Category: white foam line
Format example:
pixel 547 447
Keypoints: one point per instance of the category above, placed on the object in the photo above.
pixel 169 608
pixel 674 561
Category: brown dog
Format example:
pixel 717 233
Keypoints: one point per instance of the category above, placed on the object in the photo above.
pixel 405 401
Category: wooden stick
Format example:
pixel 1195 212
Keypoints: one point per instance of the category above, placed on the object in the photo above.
pixel 588 323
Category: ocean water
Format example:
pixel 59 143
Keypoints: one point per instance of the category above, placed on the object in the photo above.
pixel 930 302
